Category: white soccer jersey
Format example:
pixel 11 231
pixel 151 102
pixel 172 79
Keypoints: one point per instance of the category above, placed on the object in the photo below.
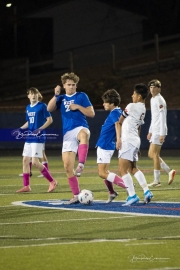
pixel 134 114
pixel 158 116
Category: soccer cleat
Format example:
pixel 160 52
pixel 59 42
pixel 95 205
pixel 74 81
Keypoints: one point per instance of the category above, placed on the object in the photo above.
pixel 148 196
pixel 172 174
pixel 79 169
pixel 154 184
pixel 131 200
pixel 24 189
pixel 112 197
pixel 52 185
pixel 74 200
pixel 39 176
pixel 21 174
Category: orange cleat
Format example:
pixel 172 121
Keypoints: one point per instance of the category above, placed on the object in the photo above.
pixel 52 185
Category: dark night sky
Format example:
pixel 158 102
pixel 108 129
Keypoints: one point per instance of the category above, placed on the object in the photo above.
pixel 162 18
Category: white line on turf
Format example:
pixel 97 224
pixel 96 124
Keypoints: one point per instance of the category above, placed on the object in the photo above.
pixel 63 220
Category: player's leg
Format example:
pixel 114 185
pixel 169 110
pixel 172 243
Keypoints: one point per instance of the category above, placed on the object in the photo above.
pixel 30 167
pixel 171 172
pixel 44 160
pixel 69 161
pixel 142 182
pixel 154 153
pixel 126 159
pixel 26 169
pixel 37 149
pixel 103 161
pixel 83 138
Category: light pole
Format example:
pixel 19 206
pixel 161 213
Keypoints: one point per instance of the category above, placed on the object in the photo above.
pixel 8 5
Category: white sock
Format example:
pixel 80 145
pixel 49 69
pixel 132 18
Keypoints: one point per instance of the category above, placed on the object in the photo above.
pixel 164 166
pixel 129 184
pixel 157 176
pixel 141 180
pixel 111 177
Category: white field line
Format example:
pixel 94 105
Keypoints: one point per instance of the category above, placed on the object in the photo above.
pixel 75 242
pixel 63 220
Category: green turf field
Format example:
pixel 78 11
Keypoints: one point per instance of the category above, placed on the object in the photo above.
pixel 35 238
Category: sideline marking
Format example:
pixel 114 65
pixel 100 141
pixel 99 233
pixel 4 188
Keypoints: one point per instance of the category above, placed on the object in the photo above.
pixel 158 209
pixel 62 220
pixel 80 242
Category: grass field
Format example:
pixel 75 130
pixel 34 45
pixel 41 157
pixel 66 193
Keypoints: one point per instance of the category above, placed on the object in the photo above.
pixel 37 238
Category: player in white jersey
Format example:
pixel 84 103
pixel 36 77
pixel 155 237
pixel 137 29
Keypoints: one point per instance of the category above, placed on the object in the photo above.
pixel 129 144
pixel 106 143
pixel 38 119
pixel 158 132
pixel 74 107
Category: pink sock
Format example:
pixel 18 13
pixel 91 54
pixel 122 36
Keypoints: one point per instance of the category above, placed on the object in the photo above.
pixel 109 185
pixel 119 182
pixel 47 174
pixel 45 164
pixel 74 185
pixel 82 153
pixel 26 179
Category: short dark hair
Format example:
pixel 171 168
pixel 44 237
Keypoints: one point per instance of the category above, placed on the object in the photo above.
pixel 111 96
pixel 142 90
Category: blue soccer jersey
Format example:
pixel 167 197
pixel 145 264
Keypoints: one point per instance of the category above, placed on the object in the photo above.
pixel 107 138
pixel 36 115
pixel 72 119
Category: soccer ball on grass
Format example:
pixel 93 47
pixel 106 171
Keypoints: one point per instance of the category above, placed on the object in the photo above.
pixel 85 196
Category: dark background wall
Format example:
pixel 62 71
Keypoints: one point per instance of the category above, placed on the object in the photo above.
pixel 11 121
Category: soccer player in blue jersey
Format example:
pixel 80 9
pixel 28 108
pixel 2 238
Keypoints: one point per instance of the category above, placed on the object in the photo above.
pixel 74 108
pixel 38 119
pixel 106 143
pixel 44 159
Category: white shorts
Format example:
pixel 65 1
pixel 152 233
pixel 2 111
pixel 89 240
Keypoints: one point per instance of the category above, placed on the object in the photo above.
pixel 70 140
pixel 155 139
pixel 104 156
pixel 128 151
pixel 33 150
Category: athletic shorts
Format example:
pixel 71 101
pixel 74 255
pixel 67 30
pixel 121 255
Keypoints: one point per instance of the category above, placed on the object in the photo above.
pixel 70 139
pixel 33 150
pixel 155 139
pixel 128 152
pixel 104 156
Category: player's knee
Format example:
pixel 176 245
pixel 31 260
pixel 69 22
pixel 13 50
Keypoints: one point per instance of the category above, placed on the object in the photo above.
pixel 67 168
pixel 150 155
pixel 35 163
pixel 102 175
pixel 84 135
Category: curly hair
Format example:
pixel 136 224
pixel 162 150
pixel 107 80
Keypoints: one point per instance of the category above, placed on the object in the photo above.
pixel 69 76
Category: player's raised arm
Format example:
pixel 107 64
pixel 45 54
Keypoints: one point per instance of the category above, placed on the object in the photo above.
pixel 51 107
pixel 88 111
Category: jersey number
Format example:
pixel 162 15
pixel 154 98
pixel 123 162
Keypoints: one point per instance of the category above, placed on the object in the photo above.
pixel 67 108
pixel 31 120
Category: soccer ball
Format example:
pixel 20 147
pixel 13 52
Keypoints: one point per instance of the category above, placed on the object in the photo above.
pixel 85 196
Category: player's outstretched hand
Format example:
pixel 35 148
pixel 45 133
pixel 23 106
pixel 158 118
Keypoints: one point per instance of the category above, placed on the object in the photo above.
pixel 36 131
